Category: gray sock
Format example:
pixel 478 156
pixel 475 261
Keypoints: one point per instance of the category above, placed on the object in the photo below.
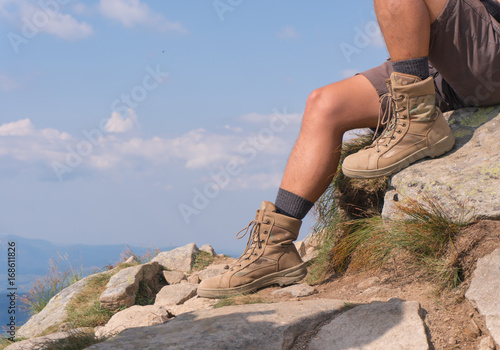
pixel 290 204
pixel 415 66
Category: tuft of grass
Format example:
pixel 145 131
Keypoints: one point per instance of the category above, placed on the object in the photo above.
pixel 61 275
pixel 239 300
pixel 145 295
pixel 77 340
pixel 427 236
pixel 202 261
pixel 84 310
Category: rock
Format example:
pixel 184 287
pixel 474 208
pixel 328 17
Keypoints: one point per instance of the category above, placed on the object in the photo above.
pixel 296 290
pixel 311 254
pixel 468 175
pixel 301 248
pixel 54 312
pixel 393 325
pixel 194 304
pixel 313 240
pixel 40 343
pixel 179 259
pixel 256 326
pixel 207 248
pixel 175 294
pixel 213 271
pixel 131 260
pixel 487 343
pixel 174 277
pixel 122 288
pixel 135 316
pixel 194 278
pixel 484 292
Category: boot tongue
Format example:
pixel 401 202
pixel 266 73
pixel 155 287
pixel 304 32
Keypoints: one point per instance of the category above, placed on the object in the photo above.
pixel 401 79
pixel 267 206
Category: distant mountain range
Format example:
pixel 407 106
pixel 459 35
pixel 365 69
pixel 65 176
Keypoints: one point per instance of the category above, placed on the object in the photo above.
pixel 33 258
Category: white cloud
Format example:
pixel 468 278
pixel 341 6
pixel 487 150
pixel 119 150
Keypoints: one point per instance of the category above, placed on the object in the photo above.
pixel 67 27
pixel 256 148
pixel 288 32
pixel 45 17
pixel 135 12
pixel 119 124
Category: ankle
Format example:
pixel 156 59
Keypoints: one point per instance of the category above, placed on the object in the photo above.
pixel 290 204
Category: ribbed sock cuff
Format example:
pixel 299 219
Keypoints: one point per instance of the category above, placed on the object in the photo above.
pixel 290 204
pixel 415 66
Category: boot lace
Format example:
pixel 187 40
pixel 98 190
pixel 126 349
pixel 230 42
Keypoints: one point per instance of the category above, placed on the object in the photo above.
pixel 254 240
pixel 389 120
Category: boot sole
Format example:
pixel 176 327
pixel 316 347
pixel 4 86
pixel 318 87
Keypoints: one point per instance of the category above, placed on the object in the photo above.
pixel 435 150
pixel 283 278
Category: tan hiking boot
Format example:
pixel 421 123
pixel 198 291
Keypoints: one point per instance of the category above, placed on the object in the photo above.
pixel 270 257
pixel 415 128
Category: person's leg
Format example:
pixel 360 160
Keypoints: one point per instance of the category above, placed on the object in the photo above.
pixel 330 112
pixel 415 128
pixel 406 25
pixel 270 256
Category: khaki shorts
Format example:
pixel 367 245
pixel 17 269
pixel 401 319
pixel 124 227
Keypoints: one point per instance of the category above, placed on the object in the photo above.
pixel 464 56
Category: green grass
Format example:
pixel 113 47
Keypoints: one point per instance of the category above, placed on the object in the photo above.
pixel 76 341
pixel 427 237
pixel 84 310
pixel 202 261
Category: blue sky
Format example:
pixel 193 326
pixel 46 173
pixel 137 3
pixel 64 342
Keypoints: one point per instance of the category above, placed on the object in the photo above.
pixel 161 122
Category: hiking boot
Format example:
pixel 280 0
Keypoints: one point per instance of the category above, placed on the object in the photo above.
pixel 270 257
pixel 415 128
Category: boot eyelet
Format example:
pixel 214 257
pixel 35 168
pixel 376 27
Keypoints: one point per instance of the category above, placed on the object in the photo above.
pixel 268 222
pixel 404 125
pixel 394 137
pixel 399 131
pixel 266 232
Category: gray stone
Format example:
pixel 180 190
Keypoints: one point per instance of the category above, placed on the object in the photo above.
pixel 194 304
pixel 256 326
pixel 301 248
pixel 468 175
pixel 135 316
pixel 122 288
pixel 194 278
pixel 394 325
pixel 179 259
pixel 213 271
pixel 174 277
pixel 296 290
pixel 40 343
pixel 54 312
pixel 207 248
pixel 484 292
pixel 175 294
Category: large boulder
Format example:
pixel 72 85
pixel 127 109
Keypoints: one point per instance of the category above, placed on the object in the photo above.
pixel 54 313
pixel 179 259
pixel 484 292
pixel 468 175
pixel 256 326
pixel 122 288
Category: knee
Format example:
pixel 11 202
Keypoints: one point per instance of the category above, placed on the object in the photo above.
pixel 323 109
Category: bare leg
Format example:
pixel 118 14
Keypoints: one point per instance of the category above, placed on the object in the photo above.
pixel 406 25
pixel 330 112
